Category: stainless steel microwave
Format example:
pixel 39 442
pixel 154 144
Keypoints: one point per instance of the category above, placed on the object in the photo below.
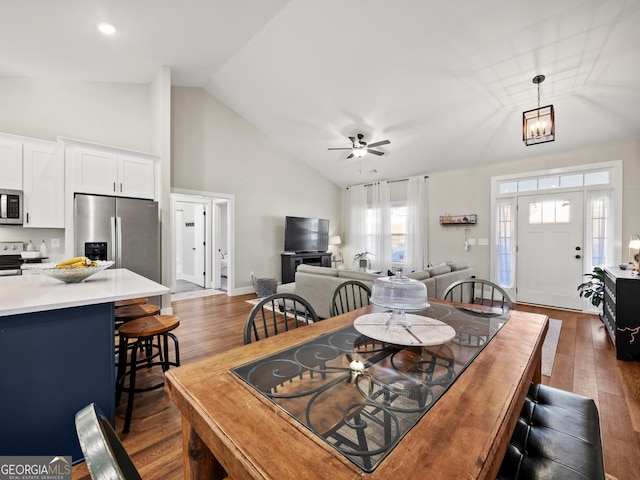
pixel 11 207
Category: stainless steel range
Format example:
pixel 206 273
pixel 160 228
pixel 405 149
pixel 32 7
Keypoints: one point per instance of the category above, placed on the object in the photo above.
pixel 10 258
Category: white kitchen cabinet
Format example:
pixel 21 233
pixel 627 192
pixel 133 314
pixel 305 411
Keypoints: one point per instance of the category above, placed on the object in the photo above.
pixel 43 175
pixel 10 162
pixel 136 177
pixel 106 172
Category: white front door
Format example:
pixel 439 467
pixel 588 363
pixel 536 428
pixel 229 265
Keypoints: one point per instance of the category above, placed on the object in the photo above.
pixel 550 249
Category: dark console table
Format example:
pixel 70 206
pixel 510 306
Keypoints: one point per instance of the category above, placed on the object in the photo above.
pixel 622 311
pixel 290 262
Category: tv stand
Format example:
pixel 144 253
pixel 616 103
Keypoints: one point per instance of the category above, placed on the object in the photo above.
pixel 290 262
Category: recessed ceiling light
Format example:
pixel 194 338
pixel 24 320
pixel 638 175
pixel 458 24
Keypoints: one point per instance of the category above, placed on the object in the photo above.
pixel 107 28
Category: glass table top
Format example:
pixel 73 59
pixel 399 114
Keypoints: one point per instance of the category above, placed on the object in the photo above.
pixel 361 395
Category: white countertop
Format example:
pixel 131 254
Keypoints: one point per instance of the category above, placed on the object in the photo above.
pixel 37 293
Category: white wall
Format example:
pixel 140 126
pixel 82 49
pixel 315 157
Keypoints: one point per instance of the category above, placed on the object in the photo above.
pixel 469 191
pixel 115 114
pixel 216 150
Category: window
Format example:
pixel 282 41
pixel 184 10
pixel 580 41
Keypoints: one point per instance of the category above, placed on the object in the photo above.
pixel 398 233
pixel 549 212
pixel 505 244
pixel 599 228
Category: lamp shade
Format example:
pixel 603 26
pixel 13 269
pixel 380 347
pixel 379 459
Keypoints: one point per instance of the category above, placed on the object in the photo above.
pixel 634 242
pixel 335 240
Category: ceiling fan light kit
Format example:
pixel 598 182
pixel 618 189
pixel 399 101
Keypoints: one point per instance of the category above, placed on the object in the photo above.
pixel 538 125
pixel 359 148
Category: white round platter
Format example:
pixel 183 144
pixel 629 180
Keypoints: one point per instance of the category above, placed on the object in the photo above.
pixel 424 331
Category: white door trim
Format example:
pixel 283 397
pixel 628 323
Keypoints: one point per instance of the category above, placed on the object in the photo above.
pixel 615 185
pixel 199 196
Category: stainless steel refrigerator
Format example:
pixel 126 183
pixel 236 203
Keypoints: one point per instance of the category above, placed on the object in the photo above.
pixel 125 230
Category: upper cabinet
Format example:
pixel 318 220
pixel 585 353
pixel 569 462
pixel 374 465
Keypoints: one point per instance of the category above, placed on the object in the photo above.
pixel 10 162
pixel 43 175
pixel 37 168
pixel 110 171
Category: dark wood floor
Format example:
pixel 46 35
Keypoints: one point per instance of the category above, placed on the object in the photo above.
pixel 585 363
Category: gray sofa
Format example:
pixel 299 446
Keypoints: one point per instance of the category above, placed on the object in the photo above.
pixel 317 284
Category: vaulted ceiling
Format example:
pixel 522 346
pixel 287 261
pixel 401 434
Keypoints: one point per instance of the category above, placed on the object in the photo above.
pixel 445 82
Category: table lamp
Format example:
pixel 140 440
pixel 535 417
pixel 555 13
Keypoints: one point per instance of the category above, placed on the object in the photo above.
pixel 634 244
pixel 336 240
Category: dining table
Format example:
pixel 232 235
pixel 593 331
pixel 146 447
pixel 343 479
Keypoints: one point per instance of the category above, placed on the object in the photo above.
pixel 344 399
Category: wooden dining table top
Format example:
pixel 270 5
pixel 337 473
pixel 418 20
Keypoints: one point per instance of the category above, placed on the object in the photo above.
pixel 228 424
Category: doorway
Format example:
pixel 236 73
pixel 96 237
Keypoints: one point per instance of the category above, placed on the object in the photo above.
pixel 202 233
pixel 550 249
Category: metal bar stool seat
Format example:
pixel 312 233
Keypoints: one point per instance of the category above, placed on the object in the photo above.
pixel 144 332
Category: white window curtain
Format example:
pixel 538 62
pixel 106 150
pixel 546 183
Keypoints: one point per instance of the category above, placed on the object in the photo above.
pixel 369 224
pixel 356 223
pixel 379 235
pixel 417 216
pixel 599 229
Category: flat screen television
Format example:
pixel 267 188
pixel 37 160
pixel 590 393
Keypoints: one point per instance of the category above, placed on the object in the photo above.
pixel 306 234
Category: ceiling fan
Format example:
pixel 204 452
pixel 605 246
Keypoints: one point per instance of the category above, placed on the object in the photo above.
pixel 360 148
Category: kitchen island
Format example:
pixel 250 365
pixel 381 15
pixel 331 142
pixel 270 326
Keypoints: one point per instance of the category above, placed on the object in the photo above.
pixel 57 355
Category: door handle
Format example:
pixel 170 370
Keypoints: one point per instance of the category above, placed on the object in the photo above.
pixel 578 256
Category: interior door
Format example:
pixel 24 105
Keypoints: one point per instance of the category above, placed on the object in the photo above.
pixel 550 250
pixel 199 241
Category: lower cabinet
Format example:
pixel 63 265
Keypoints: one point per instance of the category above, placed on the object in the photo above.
pixel 622 311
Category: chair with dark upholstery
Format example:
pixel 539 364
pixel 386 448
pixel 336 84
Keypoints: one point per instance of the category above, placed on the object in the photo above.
pixel 557 436
pixel 349 296
pixel 478 292
pixel 278 313
pixel 103 451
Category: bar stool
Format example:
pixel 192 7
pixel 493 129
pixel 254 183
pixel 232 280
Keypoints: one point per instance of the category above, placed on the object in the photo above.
pixel 141 332
pixel 131 312
pixel 131 301
pixel 126 313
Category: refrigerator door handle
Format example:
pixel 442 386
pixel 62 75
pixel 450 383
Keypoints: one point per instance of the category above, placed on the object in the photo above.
pixel 113 239
pixel 119 242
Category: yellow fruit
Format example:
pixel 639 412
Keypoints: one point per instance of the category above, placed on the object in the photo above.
pixel 78 261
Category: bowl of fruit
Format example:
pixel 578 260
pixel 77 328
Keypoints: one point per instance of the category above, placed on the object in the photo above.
pixel 75 269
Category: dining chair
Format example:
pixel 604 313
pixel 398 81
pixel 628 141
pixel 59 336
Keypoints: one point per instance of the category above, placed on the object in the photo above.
pixel 349 296
pixel 478 292
pixel 278 313
pixel 103 451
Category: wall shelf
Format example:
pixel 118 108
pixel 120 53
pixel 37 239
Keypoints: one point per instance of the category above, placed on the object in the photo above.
pixel 457 220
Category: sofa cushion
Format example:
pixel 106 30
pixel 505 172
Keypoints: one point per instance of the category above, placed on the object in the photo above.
pixel 329 272
pixel 355 275
pixel 419 275
pixel 440 270
pixel 458 266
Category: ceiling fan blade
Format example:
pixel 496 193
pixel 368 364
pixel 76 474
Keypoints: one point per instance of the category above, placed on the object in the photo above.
pixel 340 148
pixel 350 155
pixel 375 152
pixel 353 141
pixel 377 144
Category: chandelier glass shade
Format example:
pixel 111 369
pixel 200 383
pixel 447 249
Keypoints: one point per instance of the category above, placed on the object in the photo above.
pixel 538 125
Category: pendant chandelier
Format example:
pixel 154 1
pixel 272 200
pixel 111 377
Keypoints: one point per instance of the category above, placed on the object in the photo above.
pixel 538 125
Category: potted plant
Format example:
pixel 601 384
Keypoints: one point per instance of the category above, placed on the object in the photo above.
pixel 362 259
pixel 593 288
